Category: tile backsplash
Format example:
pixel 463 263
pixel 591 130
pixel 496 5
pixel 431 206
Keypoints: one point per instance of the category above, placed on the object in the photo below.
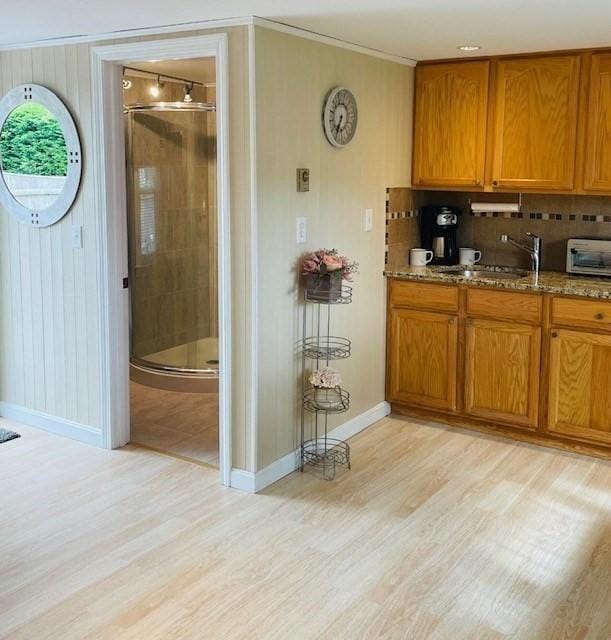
pixel 402 226
pixel 555 218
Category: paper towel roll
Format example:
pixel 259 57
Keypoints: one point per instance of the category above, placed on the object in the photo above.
pixel 495 207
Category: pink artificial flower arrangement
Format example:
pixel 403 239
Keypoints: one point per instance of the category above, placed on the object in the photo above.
pixel 328 262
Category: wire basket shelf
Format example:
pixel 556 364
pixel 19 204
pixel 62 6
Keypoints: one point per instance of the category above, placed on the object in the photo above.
pixel 325 454
pixel 329 401
pixel 326 347
pixel 341 296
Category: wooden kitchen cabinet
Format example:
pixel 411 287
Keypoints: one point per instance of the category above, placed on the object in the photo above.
pixel 579 400
pixel 536 367
pixel 535 122
pixel 423 350
pixel 597 156
pixel 502 368
pixel 450 124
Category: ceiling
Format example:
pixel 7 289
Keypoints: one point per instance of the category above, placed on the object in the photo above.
pixel 417 29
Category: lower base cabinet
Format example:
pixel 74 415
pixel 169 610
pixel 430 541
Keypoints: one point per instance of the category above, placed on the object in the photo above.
pixel 579 400
pixel 502 367
pixel 423 357
pixel 540 364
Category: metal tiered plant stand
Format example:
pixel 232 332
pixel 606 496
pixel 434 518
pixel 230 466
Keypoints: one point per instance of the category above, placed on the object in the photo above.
pixel 319 348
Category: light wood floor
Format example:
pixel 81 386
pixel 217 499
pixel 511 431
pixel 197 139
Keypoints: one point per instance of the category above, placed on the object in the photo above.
pixel 434 534
pixel 186 424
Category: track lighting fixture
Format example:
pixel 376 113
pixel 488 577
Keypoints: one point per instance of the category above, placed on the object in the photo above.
pixel 188 89
pixel 155 89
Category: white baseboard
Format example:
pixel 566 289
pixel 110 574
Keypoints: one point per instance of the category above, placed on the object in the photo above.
pixel 243 480
pixel 254 482
pixel 52 424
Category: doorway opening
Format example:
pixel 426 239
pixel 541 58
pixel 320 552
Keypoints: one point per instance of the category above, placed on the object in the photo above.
pixel 171 177
pixel 162 187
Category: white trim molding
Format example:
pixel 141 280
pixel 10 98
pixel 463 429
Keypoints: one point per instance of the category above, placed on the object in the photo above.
pixel 254 247
pixel 52 424
pixel 255 482
pixel 108 36
pixel 299 32
pixel 111 205
pixel 200 25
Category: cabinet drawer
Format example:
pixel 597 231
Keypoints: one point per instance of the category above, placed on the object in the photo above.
pixel 423 295
pixel 505 305
pixel 580 312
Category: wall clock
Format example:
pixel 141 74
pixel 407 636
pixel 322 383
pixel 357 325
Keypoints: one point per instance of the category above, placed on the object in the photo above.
pixel 340 116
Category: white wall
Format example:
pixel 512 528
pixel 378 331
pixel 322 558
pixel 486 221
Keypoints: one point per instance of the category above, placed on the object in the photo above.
pixel 49 332
pixel 49 316
pixel 49 320
pixel 293 76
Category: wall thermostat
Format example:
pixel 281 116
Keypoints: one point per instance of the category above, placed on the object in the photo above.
pixel 303 180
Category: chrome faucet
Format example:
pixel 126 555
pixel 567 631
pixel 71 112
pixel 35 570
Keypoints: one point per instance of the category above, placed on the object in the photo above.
pixel 533 250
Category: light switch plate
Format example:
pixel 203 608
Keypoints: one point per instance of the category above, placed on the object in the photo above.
pixel 77 236
pixel 302 230
pixel 303 180
pixel 368 219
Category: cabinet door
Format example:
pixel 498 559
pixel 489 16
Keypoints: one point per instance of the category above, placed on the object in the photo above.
pixel 597 160
pixel 502 372
pixel 423 358
pixel 450 124
pixel 535 122
pixel 580 385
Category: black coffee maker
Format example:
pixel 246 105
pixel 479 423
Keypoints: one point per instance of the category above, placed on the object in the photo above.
pixel 438 226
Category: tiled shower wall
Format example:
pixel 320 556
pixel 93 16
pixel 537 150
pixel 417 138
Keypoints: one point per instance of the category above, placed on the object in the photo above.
pixel 172 222
pixel 555 218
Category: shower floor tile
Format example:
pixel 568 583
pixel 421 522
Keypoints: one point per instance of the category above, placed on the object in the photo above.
pixel 184 424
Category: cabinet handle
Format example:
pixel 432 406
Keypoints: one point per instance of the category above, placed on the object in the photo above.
pixel 600 316
pixel 495 183
pixel 554 334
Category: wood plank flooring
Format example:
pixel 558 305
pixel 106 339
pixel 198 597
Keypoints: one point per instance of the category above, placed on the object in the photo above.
pixel 435 533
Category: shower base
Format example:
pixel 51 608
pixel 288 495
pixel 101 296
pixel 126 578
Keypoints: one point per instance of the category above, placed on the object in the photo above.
pixel 190 367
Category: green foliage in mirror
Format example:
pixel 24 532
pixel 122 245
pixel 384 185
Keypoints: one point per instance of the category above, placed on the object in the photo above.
pixel 32 142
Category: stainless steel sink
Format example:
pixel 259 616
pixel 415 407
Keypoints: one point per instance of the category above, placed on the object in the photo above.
pixel 490 275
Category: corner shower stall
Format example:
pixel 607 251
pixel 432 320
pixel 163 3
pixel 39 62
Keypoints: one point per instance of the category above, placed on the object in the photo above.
pixel 172 230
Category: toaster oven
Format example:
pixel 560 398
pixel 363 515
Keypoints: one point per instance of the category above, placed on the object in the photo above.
pixel 589 257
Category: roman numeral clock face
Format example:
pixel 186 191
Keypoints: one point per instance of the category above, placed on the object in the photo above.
pixel 340 117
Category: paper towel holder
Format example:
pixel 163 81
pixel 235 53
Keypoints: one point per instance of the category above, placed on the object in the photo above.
pixel 496 207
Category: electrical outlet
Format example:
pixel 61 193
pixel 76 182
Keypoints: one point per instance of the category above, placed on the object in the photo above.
pixel 77 236
pixel 302 230
pixel 368 219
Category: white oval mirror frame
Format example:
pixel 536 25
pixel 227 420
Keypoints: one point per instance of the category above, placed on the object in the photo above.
pixel 30 94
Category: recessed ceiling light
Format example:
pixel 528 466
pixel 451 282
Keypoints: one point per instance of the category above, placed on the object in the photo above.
pixel 469 47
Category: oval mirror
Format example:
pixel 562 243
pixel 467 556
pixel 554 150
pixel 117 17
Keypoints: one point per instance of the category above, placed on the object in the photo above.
pixel 40 155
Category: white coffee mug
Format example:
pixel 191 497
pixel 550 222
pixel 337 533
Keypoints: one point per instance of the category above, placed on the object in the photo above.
pixel 420 257
pixel 469 257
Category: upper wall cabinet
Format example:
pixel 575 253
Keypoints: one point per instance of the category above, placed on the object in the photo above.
pixel 450 124
pixel 597 160
pixel 535 122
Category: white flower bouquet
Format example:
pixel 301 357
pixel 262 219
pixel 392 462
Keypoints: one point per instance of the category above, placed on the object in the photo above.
pixel 325 378
pixel 327 392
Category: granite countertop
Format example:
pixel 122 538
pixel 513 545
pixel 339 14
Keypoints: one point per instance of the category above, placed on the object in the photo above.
pixel 548 281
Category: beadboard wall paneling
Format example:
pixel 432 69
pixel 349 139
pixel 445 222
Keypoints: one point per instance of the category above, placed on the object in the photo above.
pixel 50 333
pixel 293 76
pixel 50 347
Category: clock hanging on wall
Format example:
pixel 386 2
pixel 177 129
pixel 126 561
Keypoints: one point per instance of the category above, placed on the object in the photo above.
pixel 340 116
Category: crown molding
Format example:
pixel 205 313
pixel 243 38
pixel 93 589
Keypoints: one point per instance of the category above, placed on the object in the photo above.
pixel 244 21
pixel 103 38
pixel 299 32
